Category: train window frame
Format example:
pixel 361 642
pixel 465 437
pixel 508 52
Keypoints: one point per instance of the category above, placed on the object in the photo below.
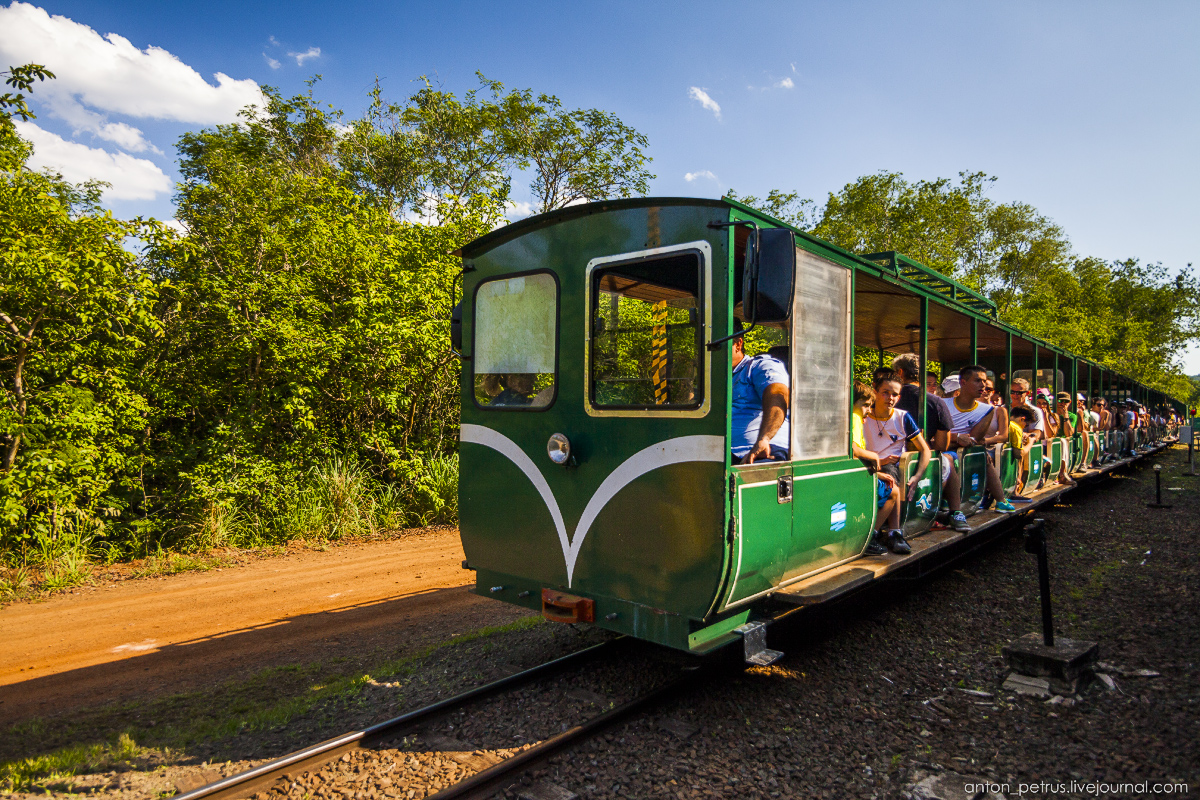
pixel 557 338
pixel 703 250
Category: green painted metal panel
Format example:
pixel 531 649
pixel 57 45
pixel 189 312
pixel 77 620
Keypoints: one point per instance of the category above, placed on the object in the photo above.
pixel 1035 466
pixel 921 507
pixel 1010 469
pixel 832 518
pixel 1056 456
pixel 972 471
pixel 763 530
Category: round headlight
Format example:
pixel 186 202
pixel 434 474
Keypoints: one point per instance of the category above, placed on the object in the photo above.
pixel 558 448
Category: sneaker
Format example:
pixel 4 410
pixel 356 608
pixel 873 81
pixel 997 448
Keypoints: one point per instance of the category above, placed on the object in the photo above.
pixel 874 547
pixel 1017 498
pixel 896 543
pixel 1005 506
pixel 958 521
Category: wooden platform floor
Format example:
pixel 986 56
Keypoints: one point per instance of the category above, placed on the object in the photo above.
pixel 842 580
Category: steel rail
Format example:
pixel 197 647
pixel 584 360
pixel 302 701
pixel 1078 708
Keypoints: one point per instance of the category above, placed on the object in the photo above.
pixel 487 782
pixel 245 783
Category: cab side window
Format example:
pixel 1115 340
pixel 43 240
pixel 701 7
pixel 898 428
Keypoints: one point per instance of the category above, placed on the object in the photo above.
pixel 515 355
pixel 646 337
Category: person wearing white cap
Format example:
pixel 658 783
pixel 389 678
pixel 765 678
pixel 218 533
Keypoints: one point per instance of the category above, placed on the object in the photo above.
pixel 950 386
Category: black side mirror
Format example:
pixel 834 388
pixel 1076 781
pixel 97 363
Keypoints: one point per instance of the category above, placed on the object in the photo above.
pixel 769 277
pixel 456 327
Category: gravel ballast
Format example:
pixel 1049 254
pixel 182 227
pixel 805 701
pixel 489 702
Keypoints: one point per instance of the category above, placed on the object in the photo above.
pixel 894 695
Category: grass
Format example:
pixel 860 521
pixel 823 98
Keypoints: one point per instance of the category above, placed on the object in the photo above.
pixel 30 773
pixel 162 564
pixel 1095 583
pixel 270 699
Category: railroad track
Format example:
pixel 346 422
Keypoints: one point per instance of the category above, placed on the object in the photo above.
pixel 489 774
pixel 489 779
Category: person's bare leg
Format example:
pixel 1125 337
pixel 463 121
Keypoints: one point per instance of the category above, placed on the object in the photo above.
pixel 890 511
pixel 952 490
pixel 893 520
pixel 1023 476
pixel 994 485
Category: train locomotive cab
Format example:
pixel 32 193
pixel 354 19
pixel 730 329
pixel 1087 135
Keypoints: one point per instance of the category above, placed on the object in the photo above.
pixel 596 477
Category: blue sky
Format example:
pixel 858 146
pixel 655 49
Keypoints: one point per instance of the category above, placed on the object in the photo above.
pixel 1087 110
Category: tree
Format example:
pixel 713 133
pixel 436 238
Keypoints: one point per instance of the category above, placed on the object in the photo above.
pixel 75 310
pixel 1138 316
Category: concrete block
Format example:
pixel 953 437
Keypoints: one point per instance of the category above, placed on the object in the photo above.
pixel 1023 684
pixel 1066 666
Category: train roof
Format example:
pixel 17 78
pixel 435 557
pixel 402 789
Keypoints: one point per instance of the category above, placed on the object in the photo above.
pixel 892 267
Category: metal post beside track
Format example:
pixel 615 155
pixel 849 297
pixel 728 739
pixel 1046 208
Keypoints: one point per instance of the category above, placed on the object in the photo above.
pixel 1035 542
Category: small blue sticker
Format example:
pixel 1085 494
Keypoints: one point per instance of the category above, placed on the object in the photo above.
pixel 837 516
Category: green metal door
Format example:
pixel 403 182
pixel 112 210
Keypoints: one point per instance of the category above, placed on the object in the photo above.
pixel 762 528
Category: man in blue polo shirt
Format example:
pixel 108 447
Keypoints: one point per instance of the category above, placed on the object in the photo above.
pixel 759 425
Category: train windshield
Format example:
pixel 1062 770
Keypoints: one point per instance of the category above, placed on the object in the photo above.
pixel 646 334
pixel 516 334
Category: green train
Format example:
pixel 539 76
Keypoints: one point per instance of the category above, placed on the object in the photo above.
pixel 597 482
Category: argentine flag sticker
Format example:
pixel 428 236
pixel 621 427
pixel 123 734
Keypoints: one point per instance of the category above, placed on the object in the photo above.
pixel 837 516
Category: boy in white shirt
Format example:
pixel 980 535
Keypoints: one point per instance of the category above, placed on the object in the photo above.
pixel 969 424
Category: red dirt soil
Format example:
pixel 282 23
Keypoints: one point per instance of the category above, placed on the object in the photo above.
pixel 143 638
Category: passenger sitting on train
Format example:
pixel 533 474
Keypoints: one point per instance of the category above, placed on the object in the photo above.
pixel 1068 425
pixel 1021 396
pixel 1085 428
pixel 759 424
pixel 997 430
pixel 969 421
pixel 932 382
pixel 1127 422
pixel 888 432
pixel 937 433
pixel 1101 418
pixel 1022 440
pixel 887 495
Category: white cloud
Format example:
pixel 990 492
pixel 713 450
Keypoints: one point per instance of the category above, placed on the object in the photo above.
pixel 695 176
pixel 274 41
pixel 312 52
pixel 131 178
pixel 109 74
pixel 517 209
pixel 696 93
pixel 786 83
pixel 271 62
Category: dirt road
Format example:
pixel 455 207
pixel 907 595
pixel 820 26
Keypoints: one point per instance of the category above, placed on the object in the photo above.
pixel 161 636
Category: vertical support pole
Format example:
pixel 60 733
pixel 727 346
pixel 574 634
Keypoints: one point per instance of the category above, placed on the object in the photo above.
pixel 881 357
pixel 1008 372
pixel 923 355
pixel 1054 389
pixel 974 340
pixel 1035 544
pixel 1034 383
pixel 1044 585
